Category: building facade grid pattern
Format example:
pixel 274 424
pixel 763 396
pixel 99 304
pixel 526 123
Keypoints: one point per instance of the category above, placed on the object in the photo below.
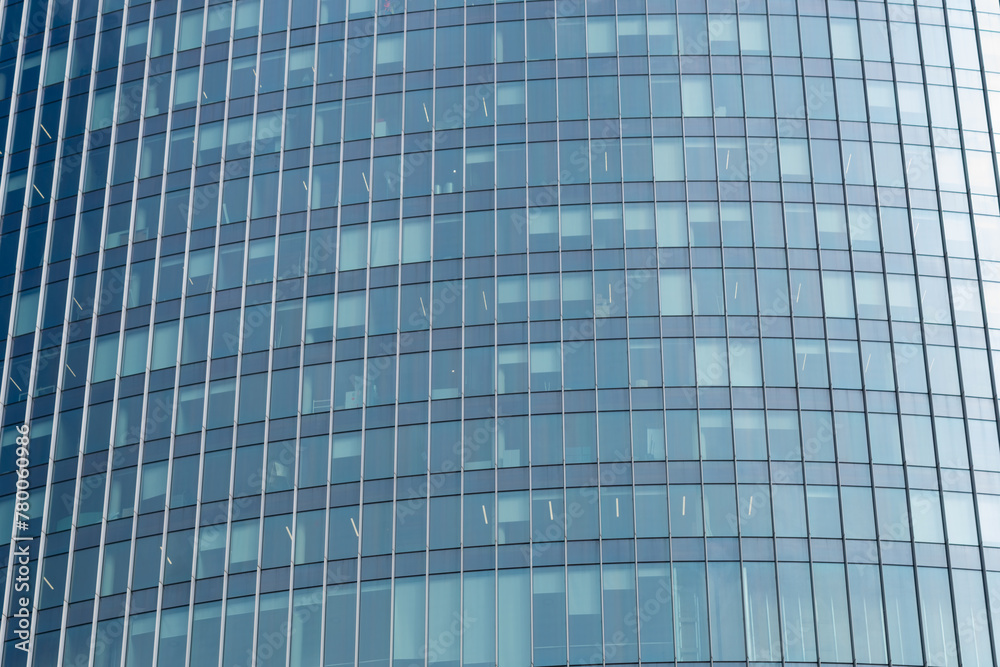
pixel 296 291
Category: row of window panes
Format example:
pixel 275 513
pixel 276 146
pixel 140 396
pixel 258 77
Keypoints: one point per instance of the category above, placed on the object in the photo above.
pixel 719 363
pixel 651 520
pixel 538 164
pixel 270 76
pixel 705 361
pixel 617 612
pixel 568 227
pixel 641 96
pixel 543 235
pixel 706 435
pixel 690 434
pixel 665 163
pixel 793 151
pixel 485 43
pixel 658 96
pixel 570 295
pixel 389 53
pixel 517 517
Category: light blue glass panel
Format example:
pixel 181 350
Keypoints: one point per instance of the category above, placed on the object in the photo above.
pixel 644 362
pixel 709 294
pixel 797 622
pixel 668 159
pixel 546 367
pixel 726 611
pixel 817 435
pixel 893 516
pixel 755 510
pixel 272 629
pixel 341 601
pixel 729 102
pixel 866 614
pixel 690 612
pixel 838 294
pixel 479 519
pixel 685 510
pixel 549 616
pixel 759 98
pixel 411 525
pixel 648 435
pixel 377 519
pixel 876 359
pixel 761 612
pixel 943 367
pixel 408 622
pixel 613 435
pixel 993 584
pixel 142 630
pixel 663 34
pixel 655 618
pixel 716 435
pixel 375 620
pixel 512 299
pixel 381 379
pixel 76 644
pixel 239 629
pixel 245 538
pixel 950 436
pixel 205 632
pixel 177 567
pixel 678 362
pixel 513 618
pixel 925 510
pixel 620 628
pixel 512 442
pixel 810 356
pixel 309 536
pixel 901 611
pixel 276 541
pixel 779 362
pixel 961 518
pixel 750 434
pixel 446 446
pixel 989 506
pixel 859 517
pixel 582 506
pixel 712 355
pixel 936 616
pixel 682 435
pixel 832 619
pixel 616 513
pixel 824 511
pixel 548 516
pixel 918 440
pixel 651 511
pixel 975 376
pixel 513 525
pixel 134 355
pixel 720 510
pixel 307 630
pixel 445 522
pixel 584 607
pixel 478 620
pixel 675 292
pixel 794 153
pixel 973 631
pixel 577 294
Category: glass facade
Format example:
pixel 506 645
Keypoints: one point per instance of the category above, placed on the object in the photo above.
pixel 547 332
